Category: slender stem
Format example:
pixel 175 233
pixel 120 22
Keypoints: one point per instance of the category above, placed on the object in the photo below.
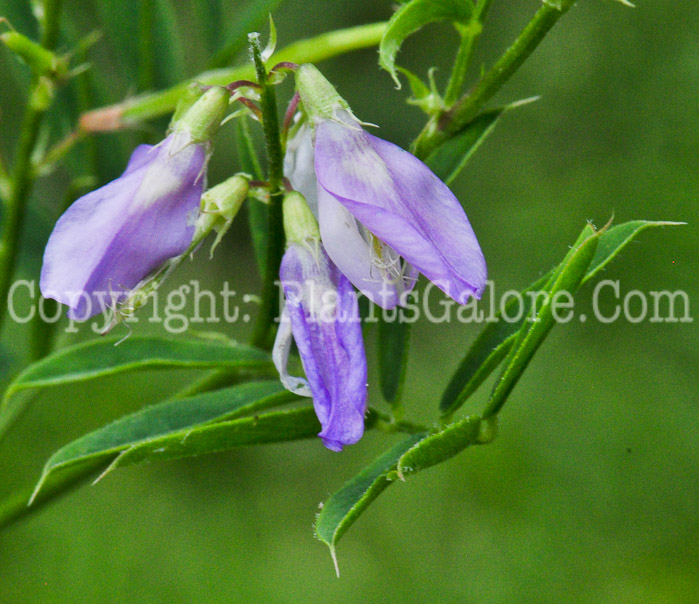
pixel 275 226
pixel 50 23
pixel 4 180
pixel 22 173
pixel 146 63
pixel 312 50
pixel 469 40
pixel 15 203
pixel 467 108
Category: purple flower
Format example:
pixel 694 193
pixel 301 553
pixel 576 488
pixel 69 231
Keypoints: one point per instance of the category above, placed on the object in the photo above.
pixel 113 238
pixel 109 240
pixel 322 314
pixel 384 216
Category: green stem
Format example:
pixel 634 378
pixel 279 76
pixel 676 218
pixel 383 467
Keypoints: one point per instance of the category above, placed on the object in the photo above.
pixel 4 180
pixel 312 50
pixel 469 40
pixel 146 64
pixel 467 108
pixel 22 173
pixel 275 227
pixel 50 23
pixel 15 203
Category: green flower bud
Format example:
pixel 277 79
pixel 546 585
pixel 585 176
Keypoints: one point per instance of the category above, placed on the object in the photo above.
pixel 187 100
pixel 219 206
pixel 202 120
pixel 299 223
pixel 319 97
pixel 40 60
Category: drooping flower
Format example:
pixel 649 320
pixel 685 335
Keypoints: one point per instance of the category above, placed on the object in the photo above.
pixel 384 216
pixel 322 315
pixel 109 240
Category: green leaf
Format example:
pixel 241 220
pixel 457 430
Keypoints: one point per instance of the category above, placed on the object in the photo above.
pixel 100 358
pixel 181 428
pixel 439 446
pixel 567 277
pixel 411 17
pixel 344 506
pixel 496 339
pixel 614 239
pixel 490 347
pixel 447 160
pixel 393 355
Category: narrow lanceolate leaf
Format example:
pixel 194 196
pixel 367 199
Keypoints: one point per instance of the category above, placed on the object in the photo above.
pixel 344 506
pixel 393 356
pixel 491 346
pixel 567 277
pixel 614 239
pixel 496 339
pixel 412 16
pixel 100 358
pixel 447 160
pixel 439 446
pixel 179 428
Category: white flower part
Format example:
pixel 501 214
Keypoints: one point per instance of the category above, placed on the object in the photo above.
pixel 280 357
pixel 299 166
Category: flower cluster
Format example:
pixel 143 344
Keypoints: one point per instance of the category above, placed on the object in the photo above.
pixel 363 213
pixel 384 218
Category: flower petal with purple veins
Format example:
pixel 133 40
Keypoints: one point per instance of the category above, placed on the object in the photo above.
pixel 372 266
pixel 324 316
pixel 398 199
pixel 112 238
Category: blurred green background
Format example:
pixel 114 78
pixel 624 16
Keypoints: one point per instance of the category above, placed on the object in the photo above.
pixel 590 493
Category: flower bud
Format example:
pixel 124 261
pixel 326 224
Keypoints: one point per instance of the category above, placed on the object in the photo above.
pixel 219 206
pixel 319 97
pixel 202 120
pixel 187 100
pixel 40 60
pixel 299 223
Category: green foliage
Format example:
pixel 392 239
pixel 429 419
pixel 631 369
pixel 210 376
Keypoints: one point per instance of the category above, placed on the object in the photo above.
pixel 230 417
pixel 344 506
pixel 439 446
pixel 450 158
pixel 100 358
pixel 411 17
pixel 205 423
pixel 495 341
pixel 566 279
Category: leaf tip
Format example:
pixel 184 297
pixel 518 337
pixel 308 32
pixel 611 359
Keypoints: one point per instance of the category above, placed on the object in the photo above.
pixel 333 555
pixel 37 488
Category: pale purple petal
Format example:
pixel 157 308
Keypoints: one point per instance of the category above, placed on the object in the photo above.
pixel 322 307
pixel 112 238
pixel 376 271
pixel 396 197
pixel 373 267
